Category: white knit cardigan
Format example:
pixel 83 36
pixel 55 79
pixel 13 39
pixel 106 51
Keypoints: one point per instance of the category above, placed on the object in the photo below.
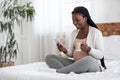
pixel 94 40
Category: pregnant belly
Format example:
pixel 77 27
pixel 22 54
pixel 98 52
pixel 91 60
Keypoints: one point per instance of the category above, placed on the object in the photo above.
pixel 79 54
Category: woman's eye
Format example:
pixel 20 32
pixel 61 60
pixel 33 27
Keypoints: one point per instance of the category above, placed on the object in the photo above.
pixel 75 21
pixel 78 20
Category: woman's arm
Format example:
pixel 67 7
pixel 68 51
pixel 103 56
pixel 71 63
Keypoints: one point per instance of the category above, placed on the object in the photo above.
pixel 61 48
pixel 70 50
pixel 97 52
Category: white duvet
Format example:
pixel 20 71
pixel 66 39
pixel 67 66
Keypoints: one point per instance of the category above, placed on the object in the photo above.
pixel 40 71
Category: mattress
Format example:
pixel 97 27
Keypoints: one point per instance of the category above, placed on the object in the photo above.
pixel 40 71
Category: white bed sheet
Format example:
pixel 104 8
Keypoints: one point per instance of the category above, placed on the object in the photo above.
pixel 40 71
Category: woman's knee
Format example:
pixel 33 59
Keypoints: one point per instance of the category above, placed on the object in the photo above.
pixel 89 59
pixel 93 64
pixel 49 57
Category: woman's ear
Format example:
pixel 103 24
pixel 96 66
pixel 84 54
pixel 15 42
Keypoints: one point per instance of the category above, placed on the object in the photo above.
pixel 85 18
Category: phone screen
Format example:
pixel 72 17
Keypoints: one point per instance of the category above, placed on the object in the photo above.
pixel 58 41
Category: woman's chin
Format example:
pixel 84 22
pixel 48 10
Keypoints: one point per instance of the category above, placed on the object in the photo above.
pixel 78 28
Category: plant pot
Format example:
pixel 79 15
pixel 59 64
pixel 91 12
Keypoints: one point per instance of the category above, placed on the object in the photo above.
pixel 3 64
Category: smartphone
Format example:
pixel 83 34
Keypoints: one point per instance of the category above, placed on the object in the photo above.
pixel 58 41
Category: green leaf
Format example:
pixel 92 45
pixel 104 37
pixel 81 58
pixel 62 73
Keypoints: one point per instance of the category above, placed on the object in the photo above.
pixel 10 28
pixel 15 53
pixel 5 26
pixel 5 13
pixel 4 4
pixel 1 50
pixel 2 27
pixel 1 53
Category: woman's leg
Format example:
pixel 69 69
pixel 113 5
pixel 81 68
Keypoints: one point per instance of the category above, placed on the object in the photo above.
pixel 86 64
pixel 57 62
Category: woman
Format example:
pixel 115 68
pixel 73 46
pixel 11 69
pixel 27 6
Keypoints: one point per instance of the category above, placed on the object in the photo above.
pixel 86 46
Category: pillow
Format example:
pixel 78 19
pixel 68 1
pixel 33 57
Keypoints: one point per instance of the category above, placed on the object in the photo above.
pixel 112 47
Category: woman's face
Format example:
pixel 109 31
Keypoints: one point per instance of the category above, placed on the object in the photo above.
pixel 79 21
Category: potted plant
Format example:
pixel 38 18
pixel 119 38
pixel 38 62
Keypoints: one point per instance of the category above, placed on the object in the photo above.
pixel 12 13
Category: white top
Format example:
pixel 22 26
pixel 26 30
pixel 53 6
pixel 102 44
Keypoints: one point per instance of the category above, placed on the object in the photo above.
pixel 77 44
pixel 94 40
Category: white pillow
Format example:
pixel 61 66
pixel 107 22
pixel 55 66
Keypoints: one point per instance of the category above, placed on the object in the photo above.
pixel 112 47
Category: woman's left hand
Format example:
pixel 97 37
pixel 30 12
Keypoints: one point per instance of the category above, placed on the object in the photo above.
pixel 85 47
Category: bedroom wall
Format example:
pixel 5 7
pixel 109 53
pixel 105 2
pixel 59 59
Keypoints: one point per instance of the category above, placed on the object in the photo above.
pixel 105 10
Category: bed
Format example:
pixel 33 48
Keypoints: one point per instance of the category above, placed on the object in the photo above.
pixel 40 71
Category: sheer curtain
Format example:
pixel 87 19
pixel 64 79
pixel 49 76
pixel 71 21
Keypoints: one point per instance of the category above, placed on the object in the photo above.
pixel 52 20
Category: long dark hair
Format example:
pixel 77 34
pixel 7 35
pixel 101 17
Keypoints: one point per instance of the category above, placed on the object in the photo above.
pixel 82 10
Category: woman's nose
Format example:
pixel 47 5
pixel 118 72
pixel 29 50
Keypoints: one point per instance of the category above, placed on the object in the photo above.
pixel 75 23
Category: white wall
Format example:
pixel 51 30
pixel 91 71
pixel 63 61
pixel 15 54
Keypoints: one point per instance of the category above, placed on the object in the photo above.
pixel 105 10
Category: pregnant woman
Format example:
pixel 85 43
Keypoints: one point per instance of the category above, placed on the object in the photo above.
pixel 86 46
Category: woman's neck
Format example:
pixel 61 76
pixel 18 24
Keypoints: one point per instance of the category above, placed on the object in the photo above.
pixel 83 33
pixel 84 29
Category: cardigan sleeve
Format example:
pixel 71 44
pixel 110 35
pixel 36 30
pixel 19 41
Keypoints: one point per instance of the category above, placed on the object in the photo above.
pixel 97 52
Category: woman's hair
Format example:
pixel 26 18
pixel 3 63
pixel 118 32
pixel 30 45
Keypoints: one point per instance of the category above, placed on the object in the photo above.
pixel 82 10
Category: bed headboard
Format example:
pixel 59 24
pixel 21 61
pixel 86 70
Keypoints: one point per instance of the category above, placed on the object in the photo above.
pixel 108 29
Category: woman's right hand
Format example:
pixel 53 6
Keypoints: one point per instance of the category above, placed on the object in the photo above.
pixel 61 48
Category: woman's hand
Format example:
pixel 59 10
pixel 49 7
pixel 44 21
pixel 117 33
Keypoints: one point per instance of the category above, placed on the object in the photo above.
pixel 61 48
pixel 85 47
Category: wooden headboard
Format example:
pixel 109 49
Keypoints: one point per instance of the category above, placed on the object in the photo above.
pixel 109 28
